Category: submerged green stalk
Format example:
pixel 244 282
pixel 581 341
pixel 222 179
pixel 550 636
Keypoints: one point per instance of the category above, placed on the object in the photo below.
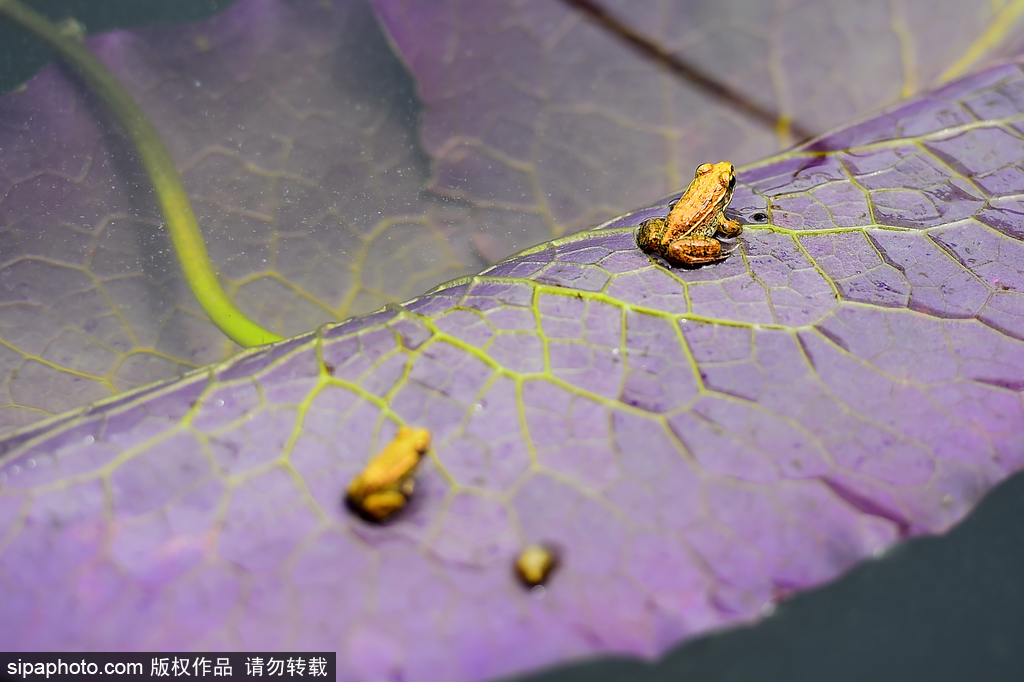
pixel 174 203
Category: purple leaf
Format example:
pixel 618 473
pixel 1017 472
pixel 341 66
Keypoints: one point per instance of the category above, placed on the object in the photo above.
pixel 699 443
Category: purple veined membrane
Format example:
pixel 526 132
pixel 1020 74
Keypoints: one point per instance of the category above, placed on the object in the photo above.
pixel 699 443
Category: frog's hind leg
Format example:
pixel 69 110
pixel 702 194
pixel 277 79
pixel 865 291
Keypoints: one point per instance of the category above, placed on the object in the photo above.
pixel 378 506
pixel 694 251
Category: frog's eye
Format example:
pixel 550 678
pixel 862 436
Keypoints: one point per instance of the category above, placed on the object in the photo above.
pixel 729 181
pixel 704 169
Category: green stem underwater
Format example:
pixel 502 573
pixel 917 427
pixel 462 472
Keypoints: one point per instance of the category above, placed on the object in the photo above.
pixel 174 204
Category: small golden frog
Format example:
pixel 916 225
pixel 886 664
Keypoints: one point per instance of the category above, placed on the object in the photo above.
pixel 686 236
pixel 386 483
pixel 535 564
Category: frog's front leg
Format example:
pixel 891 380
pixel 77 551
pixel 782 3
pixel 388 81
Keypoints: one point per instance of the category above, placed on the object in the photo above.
pixel 728 228
pixel 694 251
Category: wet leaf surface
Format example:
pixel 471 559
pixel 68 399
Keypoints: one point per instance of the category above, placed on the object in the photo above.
pixel 698 443
pixel 701 443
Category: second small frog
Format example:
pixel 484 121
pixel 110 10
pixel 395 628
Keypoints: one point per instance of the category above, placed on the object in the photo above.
pixel 687 235
pixel 386 483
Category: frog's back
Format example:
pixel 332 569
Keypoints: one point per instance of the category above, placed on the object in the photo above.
pixel 693 214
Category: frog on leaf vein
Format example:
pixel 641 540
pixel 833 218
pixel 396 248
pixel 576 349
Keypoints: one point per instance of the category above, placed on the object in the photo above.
pixel 386 484
pixel 687 235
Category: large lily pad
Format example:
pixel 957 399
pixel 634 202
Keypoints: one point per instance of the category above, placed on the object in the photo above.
pixel 699 443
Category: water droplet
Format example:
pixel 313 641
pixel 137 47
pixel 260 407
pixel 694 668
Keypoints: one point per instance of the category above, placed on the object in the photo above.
pixel 31 464
pixel 89 440
pixel 538 591
pixel 219 402
pixel 767 609
pixel 615 351
pixel 15 470
pixel 478 407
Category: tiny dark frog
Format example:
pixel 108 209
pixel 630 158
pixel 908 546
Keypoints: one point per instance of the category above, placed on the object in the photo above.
pixel 687 235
